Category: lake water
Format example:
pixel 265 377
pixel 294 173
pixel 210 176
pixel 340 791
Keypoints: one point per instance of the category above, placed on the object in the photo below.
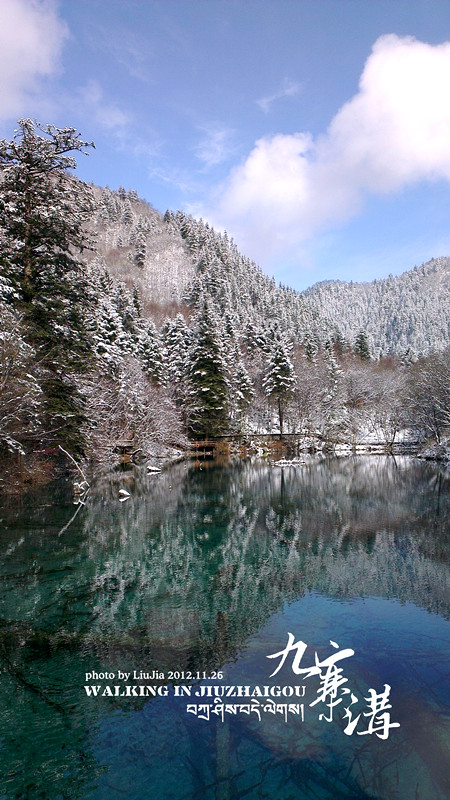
pixel 207 569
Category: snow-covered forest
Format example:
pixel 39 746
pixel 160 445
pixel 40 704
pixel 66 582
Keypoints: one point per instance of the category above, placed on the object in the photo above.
pixel 406 315
pixel 119 323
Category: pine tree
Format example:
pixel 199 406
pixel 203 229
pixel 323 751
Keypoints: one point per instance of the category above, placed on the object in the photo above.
pixel 20 392
pixel 176 341
pixel 150 352
pixel 279 380
pixel 208 393
pixel 42 213
pixel 333 399
pixel 176 347
pixel 136 302
pixel 42 208
pixel 362 346
pixel 127 214
pixel 140 253
pixel 126 307
pixel 339 342
pixel 110 340
pixel 241 389
pixel 310 348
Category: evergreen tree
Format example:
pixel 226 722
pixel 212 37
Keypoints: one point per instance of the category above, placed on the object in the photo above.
pixel 241 390
pixel 310 348
pixel 127 214
pixel 150 352
pixel 110 339
pixel 42 213
pixel 333 398
pixel 279 380
pixel 208 392
pixel 175 335
pixel 362 346
pixel 136 301
pixel 125 304
pixel 43 209
pixel 20 392
pixel 176 347
pixel 140 250
pixel 339 342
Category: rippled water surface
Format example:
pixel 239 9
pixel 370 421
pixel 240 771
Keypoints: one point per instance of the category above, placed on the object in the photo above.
pixel 207 569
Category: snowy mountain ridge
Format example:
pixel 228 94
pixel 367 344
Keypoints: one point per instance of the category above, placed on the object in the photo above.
pixel 170 260
pixel 409 312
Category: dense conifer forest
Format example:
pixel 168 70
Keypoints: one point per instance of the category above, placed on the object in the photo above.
pixel 119 323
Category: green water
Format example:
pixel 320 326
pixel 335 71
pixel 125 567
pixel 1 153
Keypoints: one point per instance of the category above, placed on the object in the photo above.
pixel 207 569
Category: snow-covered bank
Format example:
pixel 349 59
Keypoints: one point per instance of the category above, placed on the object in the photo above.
pixel 437 451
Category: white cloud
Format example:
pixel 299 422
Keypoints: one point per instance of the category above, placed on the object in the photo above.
pixel 216 144
pixel 288 89
pixel 393 133
pixel 31 40
pixel 105 113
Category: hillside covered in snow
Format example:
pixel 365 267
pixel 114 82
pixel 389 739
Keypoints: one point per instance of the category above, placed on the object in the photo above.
pixel 120 324
pixel 173 258
pixel 404 315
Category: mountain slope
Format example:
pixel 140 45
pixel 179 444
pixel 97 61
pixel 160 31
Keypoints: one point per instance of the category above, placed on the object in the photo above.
pixel 406 314
pixel 150 330
pixel 174 258
pixel 139 248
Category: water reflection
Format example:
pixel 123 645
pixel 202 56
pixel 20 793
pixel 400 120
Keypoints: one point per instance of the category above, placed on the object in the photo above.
pixel 205 567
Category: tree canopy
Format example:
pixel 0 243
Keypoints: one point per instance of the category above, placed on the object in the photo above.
pixel 43 209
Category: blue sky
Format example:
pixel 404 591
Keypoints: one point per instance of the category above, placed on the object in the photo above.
pixel 316 132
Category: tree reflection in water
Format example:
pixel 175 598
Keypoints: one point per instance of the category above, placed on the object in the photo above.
pixel 208 567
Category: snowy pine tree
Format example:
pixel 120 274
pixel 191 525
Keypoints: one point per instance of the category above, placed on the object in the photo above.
pixel 208 386
pixel 279 378
pixel 362 346
pixel 150 352
pixel 42 214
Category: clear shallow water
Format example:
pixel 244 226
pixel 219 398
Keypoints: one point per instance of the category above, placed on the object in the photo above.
pixel 206 569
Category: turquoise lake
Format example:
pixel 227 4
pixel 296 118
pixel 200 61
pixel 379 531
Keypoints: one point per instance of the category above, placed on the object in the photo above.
pixel 207 568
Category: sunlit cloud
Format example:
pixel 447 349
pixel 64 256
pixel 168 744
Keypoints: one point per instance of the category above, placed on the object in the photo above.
pixel 393 133
pixel 31 42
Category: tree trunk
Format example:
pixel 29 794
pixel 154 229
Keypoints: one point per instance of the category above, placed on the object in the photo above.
pixel 280 415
